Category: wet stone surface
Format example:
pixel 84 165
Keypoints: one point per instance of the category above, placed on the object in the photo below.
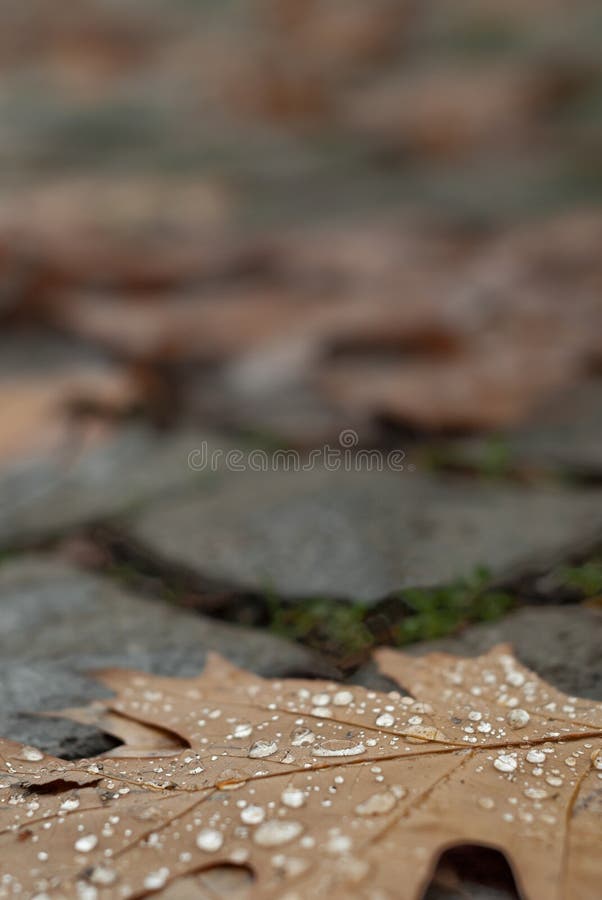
pixel 564 434
pixel 57 623
pixel 53 493
pixel 361 535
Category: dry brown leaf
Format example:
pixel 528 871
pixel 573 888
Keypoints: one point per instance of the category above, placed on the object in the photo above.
pixel 338 35
pixel 137 234
pixel 210 329
pixel 387 319
pixel 445 112
pixel 37 412
pixel 303 788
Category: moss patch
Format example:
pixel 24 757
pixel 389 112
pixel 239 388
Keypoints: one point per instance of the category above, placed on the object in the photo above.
pixel 584 579
pixel 440 611
pixel 350 631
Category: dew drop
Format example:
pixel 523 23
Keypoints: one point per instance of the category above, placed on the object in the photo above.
pixel 597 759
pixel 209 840
pixel 377 804
pixel 518 718
pixel 152 696
pixel 102 875
pixel 506 763
pixel 301 737
pixel 342 698
pixel 157 879
pixel 386 720
pixel 486 802
pixel 422 708
pixel 277 832
pixel 231 780
pixel 535 793
pixel 320 699
pixel 536 756
pixel 339 843
pixel 243 730
pixel 554 780
pixel 260 749
pixel 293 797
pixel 69 804
pixel 239 855
pixel 253 815
pixel 338 748
pixel 31 754
pixel 424 733
pixel 86 843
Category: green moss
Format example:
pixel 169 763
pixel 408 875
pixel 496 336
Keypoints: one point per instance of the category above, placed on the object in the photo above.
pixel 487 39
pixel 492 458
pixel 437 612
pixel 332 625
pixel 496 458
pixel 6 556
pixel 586 579
pixel 347 629
pixel 261 439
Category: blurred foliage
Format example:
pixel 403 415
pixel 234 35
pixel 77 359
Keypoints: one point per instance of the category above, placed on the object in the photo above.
pixel 353 629
pixel 441 611
pixel 335 626
pixel 491 458
pixel 585 578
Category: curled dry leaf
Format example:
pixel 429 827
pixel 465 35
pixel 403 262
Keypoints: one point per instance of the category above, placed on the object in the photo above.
pixel 303 788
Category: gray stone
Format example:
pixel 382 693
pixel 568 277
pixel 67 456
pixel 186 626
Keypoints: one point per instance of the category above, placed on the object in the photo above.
pixel 32 689
pixel 47 495
pixel 57 623
pixel 362 535
pixel 561 643
pixel 565 433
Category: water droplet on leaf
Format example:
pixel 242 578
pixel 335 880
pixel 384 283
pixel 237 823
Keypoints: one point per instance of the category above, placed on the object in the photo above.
pixel 260 749
pixel 277 832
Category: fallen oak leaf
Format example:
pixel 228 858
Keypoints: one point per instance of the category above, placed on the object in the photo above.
pixel 314 787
